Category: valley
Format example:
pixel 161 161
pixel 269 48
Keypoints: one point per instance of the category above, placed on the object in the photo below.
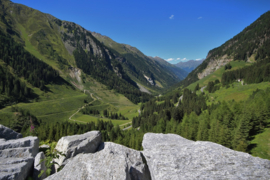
pixel 59 79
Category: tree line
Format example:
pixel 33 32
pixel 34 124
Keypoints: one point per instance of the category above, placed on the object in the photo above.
pixel 24 64
pixel 255 73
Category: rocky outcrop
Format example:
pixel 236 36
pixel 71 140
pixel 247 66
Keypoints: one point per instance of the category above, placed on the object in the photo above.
pixel 8 134
pixel 151 81
pixel 39 166
pixel 172 157
pixel 112 161
pixel 73 145
pixel 213 65
pixel 17 157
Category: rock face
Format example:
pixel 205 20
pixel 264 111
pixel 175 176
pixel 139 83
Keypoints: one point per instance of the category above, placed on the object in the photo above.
pixel 112 161
pixel 8 134
pixel 17 157
pixel 171 157
pixel 73 145
pixel 213 65
pixel 39 166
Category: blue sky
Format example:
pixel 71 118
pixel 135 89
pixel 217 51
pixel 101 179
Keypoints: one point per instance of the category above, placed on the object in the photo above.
pixel 174 30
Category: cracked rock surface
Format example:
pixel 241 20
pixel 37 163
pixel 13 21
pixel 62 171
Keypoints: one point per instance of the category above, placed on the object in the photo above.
pixel 17 157
pixel 112 161
pixel 76 144
pixel 172 157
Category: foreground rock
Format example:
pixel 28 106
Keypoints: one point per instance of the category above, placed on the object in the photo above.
pixel 39 166
pixel 113 161
pixel 8 134
pixel 171 157
pixel 73 145
pixel 17 157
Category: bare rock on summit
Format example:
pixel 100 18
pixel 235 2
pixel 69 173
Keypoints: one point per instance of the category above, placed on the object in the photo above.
pixel 7 133
pixel 17 157
pixel 112 162
pixel 172 157
pixel 73 145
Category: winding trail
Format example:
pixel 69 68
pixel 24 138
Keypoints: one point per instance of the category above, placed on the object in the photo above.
pixel 91 94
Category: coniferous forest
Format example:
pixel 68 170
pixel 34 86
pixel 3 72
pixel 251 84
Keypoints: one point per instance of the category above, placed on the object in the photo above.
pixel 112 78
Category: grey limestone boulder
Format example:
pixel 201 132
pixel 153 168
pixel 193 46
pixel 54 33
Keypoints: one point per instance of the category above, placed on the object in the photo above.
pixel 111 162
pixel 39 166
pixel 73 145
pixel 7 133
pixel 17 157
pixel 172 157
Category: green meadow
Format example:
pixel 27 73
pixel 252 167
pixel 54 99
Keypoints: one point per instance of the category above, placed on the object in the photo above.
pixel 218 74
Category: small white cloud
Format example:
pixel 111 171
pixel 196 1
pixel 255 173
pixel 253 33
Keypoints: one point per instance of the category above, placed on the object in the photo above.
pixel 199 17
pixel 178 58
pixel 171 17
pixel 184 59
pixel 198 59
pixel 170 59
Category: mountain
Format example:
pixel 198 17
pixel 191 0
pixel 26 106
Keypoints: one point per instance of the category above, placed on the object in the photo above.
pixel 180 72
pixel 142 64
pixel 189 65
pixel 66 46
pixel 250 45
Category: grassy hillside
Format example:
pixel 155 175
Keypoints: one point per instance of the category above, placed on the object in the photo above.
pixel 218 74
pixel 62 101
pixel 252 44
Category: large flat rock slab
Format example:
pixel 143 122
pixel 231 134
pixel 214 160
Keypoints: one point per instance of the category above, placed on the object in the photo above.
pixel 112 162
pixel 172 157
pixel 7 133
pixel 17 157
pixel 76 144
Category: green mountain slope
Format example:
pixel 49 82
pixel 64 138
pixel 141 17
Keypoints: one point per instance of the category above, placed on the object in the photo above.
pixel 142 64
pixel 54 41
pixel 61 44
pixel 250 45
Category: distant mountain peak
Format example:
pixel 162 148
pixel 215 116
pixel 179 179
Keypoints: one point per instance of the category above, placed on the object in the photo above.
pixel 189 65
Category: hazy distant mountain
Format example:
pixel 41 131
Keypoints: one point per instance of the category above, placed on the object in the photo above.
pixel 179 72
pixel 189 65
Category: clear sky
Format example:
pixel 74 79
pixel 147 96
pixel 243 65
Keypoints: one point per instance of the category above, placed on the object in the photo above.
pixel 174 30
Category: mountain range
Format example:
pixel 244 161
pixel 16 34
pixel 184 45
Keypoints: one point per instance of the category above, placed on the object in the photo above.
pixel 59 79
pixel 65 45
pixel 189 65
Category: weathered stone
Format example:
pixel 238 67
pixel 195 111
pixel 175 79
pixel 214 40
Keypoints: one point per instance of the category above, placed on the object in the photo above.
pixel 17 157
pixel 73 145
pixel 113 161
pixel 8 133
pixel 44 146
pixel 39 166
pixel 170 157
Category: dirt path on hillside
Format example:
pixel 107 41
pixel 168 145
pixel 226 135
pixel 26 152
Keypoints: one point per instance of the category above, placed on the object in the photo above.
pixel 91 94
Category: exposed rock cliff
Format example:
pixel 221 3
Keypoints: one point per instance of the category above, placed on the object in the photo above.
pixel 214 64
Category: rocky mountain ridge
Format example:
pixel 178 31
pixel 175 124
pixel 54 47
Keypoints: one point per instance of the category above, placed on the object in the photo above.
pixel 165 156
